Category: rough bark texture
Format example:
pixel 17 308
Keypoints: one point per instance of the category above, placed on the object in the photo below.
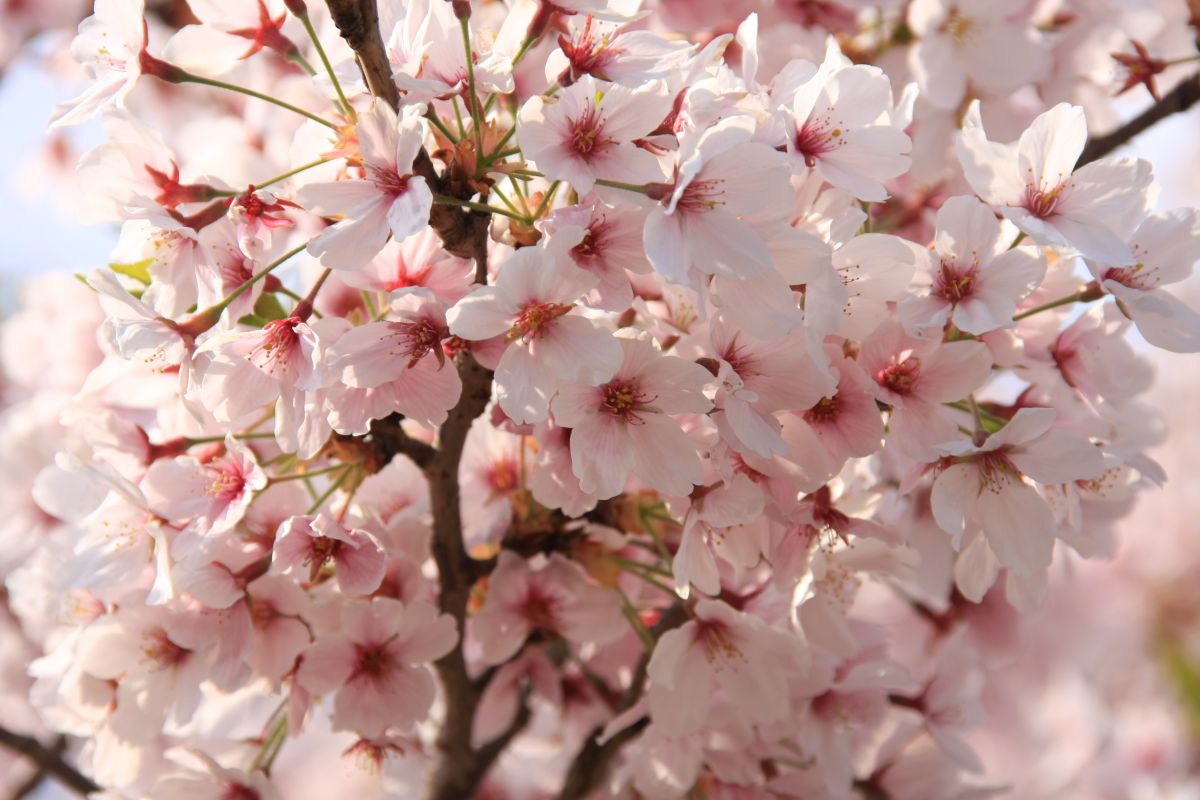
pixel 49 761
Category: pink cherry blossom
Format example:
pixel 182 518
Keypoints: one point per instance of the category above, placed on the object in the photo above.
pixel 553 597
pixel 376 662
pixel 307 544
pixel 110 45
pixel 591 130
pixel 1035 185
pixel 973 279
pixel 533 305
pixel 389 200
pixel 623 425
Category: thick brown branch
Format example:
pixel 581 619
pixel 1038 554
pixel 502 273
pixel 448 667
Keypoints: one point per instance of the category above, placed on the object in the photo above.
pixel 1179 99
pixel 358 22
pixel 48 760
pixel 591 763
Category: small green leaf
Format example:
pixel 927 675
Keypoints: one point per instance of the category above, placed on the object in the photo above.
pixel 138 270
pixel 269 308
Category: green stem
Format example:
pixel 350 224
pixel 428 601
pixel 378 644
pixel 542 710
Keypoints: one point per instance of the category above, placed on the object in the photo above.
pixel 454 201
pixel 1078 297
pixel 280 177
pixel 635 621
pixel 476 117
pixel 309 474
pixel 299 60
pixel 312 35
pixel 436 122
pixel 241 437
pixel 333 487
pixel 190 78
pixel 629 187
pixel 547 199
pixel 215 311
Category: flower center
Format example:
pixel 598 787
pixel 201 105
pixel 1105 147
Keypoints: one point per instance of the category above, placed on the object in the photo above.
pixel 826 410
pixel 228 481
pixel 536 319
pixel 955 283
pixel 585 134
pixel 1043 203
pixel 623 399
pixel 900 377
pixel 373 662
pixel 1139 276
pixel 956 25
pixel 274 351
pixel 162 653
pixel 814 139
pixel 416 339
pixel 389 182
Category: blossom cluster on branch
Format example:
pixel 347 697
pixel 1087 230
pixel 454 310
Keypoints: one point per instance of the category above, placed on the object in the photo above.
pixel 587 398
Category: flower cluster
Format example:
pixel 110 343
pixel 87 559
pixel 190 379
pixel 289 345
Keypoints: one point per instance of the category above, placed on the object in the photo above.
pixel 530 400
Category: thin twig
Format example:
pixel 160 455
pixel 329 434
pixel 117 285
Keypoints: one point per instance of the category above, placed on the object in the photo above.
pixel 48 760
pixel 1179 99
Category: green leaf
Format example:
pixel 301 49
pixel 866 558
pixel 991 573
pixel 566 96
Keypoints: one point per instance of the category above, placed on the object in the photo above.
pixel 253 321
pixel 138 270
pixel 269 308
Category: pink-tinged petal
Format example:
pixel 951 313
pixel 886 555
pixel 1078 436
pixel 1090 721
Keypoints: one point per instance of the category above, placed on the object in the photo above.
pixel 1093 240
pixel 722 244
pixel 675 384
pixel 524 385
pixel 409 212
pixel 967 230
pixel 339 198
pixel 365 357
pixel 1026 591
pixel 424 634
pixel 498 705
pixel 953 497
pixel 575 403
pixel 602 455
pixel 682 709
pixel 428 391
pixel 664 458
pixel 758 433
pixel 360 565
pixel 1017 522
pixel 579 350
pixel 1163 319
pixel 940 70
pixel 479 316
pixel 1059 457
pixel 975 570
pixel 763 306
pixel 354 241
pixel 1049 148
pixel 1113 193
pixel 369 705
pixel 694 564
pixel 371 622
pixel 667 246
pixel 989 167
pixel 826 626
pixel 1025 426
pixel 328 664
pixel 921 428
pixel 954 370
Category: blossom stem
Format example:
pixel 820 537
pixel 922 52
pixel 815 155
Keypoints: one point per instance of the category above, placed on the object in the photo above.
pixel 188 77
pixel 547 199
pixel 241 437
pixel 635 621
pixel 991 422
pixel 337 86
pixel 436 122
pixel 333 487
pixel 1020 238
pixel 1086 294
pixel 280 177
pixel 296 476
pixel 629 187
pixel 271 746
pixel 305 307
pixel 203 320
pixel 299 60
pixel 476 117
pixel 484 207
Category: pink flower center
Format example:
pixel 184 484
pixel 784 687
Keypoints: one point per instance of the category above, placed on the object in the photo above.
pixel 321 550
pixel 502 477
pixel 585 134
pixel 954 282
pixel 718 641
pixel 536 319
pixel 826 410
pixel 373 663
pixel 1041 203
pixel 1137 276
pixel 900 377
pixel 701 196
pixel 279 343
pixel 541 610
pixel 389 181
pixel 239 791
pixel 815 138
pixel 623 399
pixel 417 339
pixel 161 652
pixel 227 480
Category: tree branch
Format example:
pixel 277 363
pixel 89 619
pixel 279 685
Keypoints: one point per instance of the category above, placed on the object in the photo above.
pixel 1179 99
pixel 592 761
pixel 48 760
pixel 358 23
